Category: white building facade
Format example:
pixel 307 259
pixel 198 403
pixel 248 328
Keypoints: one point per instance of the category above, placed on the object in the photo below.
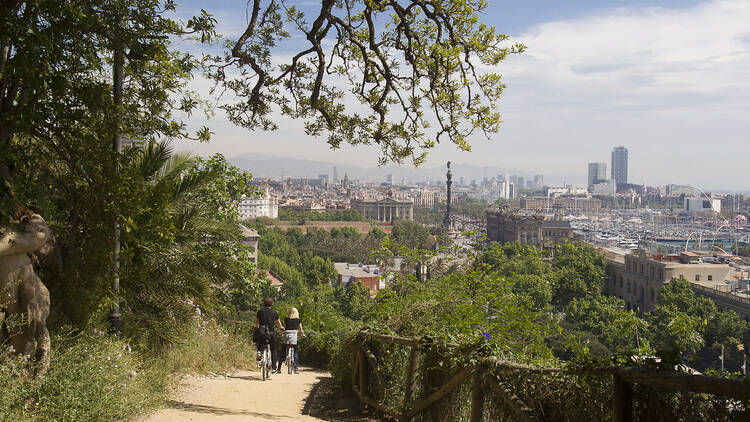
pixel 265 206
pixel 696 205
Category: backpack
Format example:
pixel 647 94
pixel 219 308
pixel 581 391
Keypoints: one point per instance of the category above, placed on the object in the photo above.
pixel 262 334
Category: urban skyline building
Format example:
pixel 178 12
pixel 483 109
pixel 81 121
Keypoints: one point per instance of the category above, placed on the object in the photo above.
pixel 265 206
pixel 597 173
pixel 620 165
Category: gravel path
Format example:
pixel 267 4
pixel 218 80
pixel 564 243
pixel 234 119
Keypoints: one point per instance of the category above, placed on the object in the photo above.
pixel 242 396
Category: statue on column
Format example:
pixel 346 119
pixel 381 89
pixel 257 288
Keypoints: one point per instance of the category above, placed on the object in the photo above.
pixel 447 219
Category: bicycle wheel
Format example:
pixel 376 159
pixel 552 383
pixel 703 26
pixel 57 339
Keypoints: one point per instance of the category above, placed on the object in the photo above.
pixel 269 364
pixel 265 364
pixel 289 358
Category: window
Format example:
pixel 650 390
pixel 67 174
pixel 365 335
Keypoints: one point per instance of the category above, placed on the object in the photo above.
pixel 652 295
pixel 697 277
pixel 628 286
pixel 710 277
pixel 621 282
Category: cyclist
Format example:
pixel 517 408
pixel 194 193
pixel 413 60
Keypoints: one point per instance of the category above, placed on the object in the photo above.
pixel 292 325
pixel 270 318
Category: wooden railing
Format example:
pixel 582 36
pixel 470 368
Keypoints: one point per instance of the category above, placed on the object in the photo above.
pixel 488 375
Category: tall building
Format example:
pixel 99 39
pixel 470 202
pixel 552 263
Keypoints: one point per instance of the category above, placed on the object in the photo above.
pixel 538 181
pixel 597 173
pixel 389 179
pixel 335 176
pixel 521 183
pixel 620 165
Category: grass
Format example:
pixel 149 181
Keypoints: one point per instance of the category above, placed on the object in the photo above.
pixel 95 377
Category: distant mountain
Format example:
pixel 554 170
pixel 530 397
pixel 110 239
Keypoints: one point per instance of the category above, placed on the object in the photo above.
pixel 261 165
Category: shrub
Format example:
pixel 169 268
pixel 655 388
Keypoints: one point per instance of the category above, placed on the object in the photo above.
pixel 92 377
pixel 96 377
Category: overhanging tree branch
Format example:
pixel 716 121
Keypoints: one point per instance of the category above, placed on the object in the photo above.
pixel 398 60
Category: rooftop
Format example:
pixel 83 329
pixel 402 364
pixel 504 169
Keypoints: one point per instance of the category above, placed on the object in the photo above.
pixel 248 232
pixel 556 224
pixel 357 270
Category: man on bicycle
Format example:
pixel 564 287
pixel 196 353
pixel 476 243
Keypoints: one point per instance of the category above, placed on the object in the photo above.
pixel 270 319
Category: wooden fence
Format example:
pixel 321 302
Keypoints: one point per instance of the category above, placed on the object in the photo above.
pixel 487 376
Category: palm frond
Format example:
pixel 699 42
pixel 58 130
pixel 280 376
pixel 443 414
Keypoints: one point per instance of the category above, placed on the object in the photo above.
pixel 175 166
pixel 152 159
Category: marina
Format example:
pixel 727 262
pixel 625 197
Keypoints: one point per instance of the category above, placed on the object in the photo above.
pixel 656 230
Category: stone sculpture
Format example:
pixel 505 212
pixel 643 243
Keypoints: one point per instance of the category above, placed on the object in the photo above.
pixel 24 299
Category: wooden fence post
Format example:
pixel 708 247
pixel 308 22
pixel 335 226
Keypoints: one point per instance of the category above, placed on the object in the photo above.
pixel 355 368
pixel 411 375
pixel 477 395
pixel 622 400
pixel 363 373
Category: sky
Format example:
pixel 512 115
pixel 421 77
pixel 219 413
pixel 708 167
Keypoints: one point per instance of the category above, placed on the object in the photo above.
pixel 669 80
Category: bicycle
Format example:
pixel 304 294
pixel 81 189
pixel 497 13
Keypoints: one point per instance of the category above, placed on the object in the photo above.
pixel 290 340
pixel 265 361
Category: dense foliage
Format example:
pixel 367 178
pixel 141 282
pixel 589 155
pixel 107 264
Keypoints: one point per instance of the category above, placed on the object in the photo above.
pixel 59 117
pixel 288 214
pixel 344 244
pixel 548 309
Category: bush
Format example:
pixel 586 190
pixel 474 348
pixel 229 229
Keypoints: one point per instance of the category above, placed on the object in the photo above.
pixel 92 377
pixel 212 349
pixel 96 377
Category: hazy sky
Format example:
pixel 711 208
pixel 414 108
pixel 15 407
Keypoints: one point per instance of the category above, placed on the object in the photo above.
pixel 670 80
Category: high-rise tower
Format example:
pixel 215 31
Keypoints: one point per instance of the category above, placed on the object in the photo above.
pixel 597 173
pixel 620 165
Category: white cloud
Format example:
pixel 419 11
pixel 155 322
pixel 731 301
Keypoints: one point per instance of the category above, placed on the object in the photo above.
pixel 671 84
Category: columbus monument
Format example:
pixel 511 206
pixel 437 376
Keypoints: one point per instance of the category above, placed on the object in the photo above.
pixel 447 218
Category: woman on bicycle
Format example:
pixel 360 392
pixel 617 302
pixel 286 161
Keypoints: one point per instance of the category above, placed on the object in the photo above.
pixel 292 326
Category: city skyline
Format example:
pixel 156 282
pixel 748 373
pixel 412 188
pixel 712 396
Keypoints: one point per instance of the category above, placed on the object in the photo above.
pixel 649 94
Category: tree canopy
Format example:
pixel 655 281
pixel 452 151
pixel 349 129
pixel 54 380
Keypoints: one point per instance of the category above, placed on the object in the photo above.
pixel 400 75
pixel 55 67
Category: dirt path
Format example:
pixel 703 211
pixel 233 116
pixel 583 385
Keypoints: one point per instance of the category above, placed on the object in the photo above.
pixel 243 396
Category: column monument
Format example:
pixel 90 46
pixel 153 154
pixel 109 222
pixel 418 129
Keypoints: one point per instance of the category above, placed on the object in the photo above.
pixel 449 182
